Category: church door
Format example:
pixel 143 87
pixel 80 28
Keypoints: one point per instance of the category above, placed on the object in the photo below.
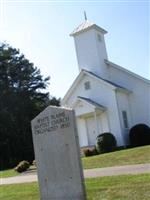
pixel 91 130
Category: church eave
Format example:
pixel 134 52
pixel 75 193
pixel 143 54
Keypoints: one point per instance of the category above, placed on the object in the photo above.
pixel 124 90
pixel 109 63
pixel 92 103
pixel 106 82
pixel 73 86
pixel 94 26
pixel 111 85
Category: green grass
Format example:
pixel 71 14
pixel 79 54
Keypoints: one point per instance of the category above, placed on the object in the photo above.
pixel 126 187
pixel 8 173
pixel 23 191
pixel 139 155
pixel 12 172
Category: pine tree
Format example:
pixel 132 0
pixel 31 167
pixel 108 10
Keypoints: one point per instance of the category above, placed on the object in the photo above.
pixel 22 97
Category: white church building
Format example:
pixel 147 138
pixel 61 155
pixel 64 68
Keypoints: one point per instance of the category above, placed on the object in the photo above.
pixel 106 97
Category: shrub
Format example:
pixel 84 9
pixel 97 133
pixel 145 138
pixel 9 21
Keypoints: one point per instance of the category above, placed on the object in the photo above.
pixel 22 166
pixel 105 142
pixel 139 135
pixel 90 151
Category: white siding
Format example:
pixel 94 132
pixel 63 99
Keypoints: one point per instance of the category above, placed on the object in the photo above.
pixel 139 99
pixel 104 95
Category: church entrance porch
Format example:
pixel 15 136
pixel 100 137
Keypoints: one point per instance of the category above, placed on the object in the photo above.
pixel 92 120
pixel 90 126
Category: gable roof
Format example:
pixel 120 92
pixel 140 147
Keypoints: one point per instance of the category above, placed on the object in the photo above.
pixel 110 82
pixel 93 103
pixel 127 71
pixel 86 25
pixel 91 74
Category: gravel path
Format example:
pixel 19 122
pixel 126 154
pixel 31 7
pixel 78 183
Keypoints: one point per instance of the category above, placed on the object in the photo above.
pixel 88 173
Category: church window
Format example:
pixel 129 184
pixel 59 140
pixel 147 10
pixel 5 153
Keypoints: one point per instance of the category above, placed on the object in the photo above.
pixel 99 37
pixel 87 85
pixel 125 119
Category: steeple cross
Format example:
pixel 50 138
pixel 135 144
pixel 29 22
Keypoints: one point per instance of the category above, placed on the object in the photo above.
pixel 85 17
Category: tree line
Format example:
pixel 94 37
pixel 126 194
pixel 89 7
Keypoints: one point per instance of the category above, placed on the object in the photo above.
pixel 22 96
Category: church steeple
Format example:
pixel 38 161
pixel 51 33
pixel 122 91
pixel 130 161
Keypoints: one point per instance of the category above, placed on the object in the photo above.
pixel 90 47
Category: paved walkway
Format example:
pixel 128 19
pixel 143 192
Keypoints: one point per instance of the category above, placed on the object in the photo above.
pixel 89 173
pixel 119 170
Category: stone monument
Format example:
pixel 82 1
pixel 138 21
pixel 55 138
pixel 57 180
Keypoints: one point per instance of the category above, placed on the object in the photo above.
pixel 57 155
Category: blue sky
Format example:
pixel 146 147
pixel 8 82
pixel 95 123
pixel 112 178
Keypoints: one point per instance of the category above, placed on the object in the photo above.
pixel 40 29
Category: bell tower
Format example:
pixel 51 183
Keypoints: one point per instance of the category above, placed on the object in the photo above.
pixel 90 48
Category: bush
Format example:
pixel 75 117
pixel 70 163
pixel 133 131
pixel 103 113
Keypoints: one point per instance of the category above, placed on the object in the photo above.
pixel 139 135
pixel 105 142
pixel 90 152
pixel 22 166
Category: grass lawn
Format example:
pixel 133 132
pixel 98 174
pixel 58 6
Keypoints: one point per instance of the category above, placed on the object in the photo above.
pixel 19 192
pixel 126 187
pixel 138 155
pixel 12 172
pixel 8 173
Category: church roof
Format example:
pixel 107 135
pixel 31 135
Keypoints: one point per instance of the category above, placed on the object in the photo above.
pixel 126 71
pixel 89 73
pixel 110 82
pixel 86 25
pixel 92 102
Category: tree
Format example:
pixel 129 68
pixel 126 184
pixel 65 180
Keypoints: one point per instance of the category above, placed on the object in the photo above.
pixel 54 101
pixel 22 97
